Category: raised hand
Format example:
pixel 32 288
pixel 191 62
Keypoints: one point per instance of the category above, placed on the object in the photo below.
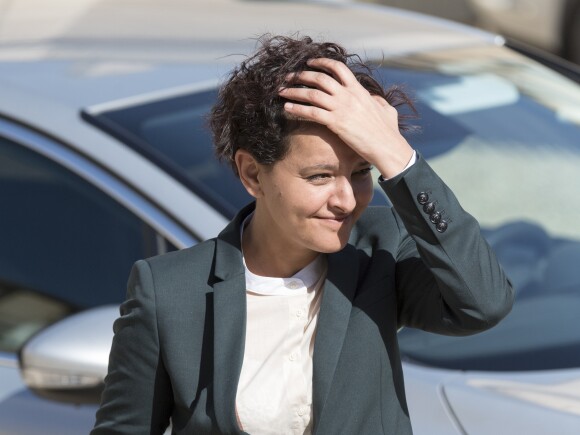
pixel 366 123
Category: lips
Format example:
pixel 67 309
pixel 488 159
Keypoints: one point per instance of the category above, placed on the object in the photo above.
pixel 335 220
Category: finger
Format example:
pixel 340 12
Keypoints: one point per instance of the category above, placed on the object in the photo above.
pixel 308 113
pixel 382 102
pixel 312 96
pixel 316 79
pixel 386 107
pixel 338 69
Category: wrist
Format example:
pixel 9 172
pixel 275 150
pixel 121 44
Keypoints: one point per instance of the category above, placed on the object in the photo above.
pixel 393 164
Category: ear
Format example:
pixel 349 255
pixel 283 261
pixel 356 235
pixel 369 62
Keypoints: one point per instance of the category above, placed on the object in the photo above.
pixel 248 170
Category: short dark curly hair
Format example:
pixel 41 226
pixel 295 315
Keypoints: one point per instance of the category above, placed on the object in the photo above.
pixel 249 113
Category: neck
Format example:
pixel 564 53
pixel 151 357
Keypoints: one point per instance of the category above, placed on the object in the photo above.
pixel 266 256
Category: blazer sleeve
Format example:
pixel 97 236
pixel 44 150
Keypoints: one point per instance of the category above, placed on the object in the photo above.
pixel 447 276
pixel 137 397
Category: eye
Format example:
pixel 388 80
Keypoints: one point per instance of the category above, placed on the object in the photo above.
pixel 364 171
pixel 318 177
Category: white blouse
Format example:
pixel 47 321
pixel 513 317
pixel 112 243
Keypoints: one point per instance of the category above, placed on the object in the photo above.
pixel 275 387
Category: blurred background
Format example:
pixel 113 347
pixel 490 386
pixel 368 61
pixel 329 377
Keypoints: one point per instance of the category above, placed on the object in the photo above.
pixel 551 25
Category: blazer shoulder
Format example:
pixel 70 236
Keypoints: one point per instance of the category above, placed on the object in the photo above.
pixel 193 265
pixel 183 256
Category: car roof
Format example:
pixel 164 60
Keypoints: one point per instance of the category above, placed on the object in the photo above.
pixel 92 51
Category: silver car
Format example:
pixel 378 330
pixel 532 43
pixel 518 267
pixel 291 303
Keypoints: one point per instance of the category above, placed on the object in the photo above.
pixel 105 159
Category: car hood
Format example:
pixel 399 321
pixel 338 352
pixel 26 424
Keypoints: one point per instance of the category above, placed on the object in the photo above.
pixel 530 403
pixel 444 402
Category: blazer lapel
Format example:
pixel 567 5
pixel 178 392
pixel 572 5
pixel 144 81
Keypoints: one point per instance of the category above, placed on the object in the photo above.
pixel 229 298
pixel 339 290
pixel 229 339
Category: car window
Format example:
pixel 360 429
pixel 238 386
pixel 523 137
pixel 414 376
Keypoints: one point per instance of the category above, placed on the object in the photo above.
pixel 173 133
pixel 66 246
pixel 504 133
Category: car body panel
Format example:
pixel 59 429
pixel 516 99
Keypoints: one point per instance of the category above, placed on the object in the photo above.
pixel 428 407
pixel 11 380
pixel 526 402
pixel 481 403
pixel 23 412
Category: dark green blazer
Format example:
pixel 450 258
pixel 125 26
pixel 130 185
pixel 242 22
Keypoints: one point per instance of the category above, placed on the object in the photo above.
pixel 179 343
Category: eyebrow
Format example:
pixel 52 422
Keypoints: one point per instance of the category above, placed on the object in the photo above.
pixel 323 166
pixel 330 167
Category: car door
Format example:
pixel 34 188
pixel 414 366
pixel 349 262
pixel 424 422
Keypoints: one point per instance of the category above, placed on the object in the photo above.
pixel 70 231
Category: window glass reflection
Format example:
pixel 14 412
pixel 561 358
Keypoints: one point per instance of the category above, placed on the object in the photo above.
pixel 65 244
pixel 503 135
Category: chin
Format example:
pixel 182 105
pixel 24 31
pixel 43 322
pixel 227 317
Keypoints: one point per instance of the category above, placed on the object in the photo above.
pixel 332 247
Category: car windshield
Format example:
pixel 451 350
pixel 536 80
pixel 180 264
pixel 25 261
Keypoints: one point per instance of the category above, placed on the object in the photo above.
pixel 504 133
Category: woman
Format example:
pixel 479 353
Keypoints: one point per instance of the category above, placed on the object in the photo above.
pixel 287 321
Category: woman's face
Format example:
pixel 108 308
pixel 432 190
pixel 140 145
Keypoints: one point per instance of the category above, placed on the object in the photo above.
pixel 311 199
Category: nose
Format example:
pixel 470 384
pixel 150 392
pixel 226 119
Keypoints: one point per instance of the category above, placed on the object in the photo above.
pixel 343 197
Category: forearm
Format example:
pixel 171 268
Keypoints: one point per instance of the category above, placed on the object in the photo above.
pixel 448 278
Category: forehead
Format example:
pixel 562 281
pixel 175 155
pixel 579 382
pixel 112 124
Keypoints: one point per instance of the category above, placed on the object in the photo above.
pixel 314 144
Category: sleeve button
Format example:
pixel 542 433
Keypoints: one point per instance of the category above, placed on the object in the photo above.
pixel 429 207
pixel 435 217
pixel 422 198
pixel 441 226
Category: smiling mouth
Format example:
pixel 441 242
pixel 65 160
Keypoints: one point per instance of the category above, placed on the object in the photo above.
pixel 335 219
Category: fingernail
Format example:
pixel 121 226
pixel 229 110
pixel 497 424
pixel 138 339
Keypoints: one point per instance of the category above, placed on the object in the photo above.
pixel 288 106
